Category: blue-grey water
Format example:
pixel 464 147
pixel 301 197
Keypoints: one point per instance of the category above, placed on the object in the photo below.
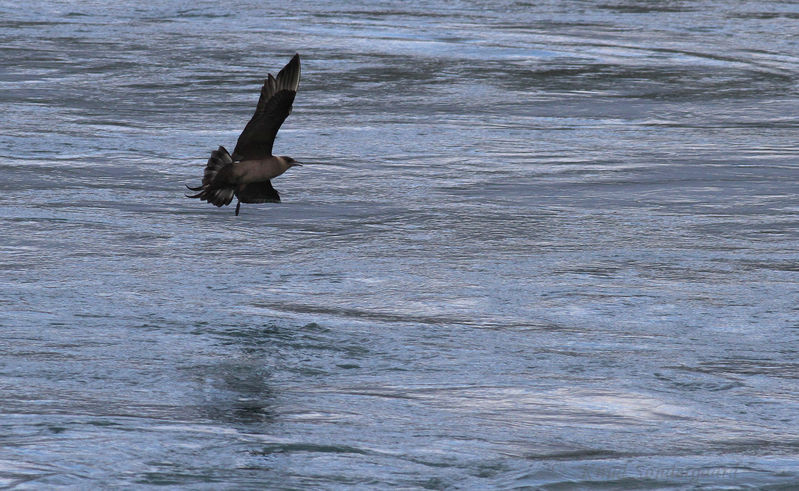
pixel 535 244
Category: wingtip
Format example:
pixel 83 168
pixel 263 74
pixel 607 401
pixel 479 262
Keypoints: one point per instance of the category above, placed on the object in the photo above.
pixel 294 62
pixel 289 76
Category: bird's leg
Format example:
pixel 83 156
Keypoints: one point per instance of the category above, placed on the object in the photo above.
pixel 238 205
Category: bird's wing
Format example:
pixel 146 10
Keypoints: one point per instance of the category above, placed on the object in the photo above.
pixel 258 192
pixel 274 106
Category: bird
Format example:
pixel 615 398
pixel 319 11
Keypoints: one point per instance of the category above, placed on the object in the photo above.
pixel 247 173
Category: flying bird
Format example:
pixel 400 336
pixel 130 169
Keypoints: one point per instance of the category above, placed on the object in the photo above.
pixel 248 172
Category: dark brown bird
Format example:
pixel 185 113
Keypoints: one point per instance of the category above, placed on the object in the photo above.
pixel 247 173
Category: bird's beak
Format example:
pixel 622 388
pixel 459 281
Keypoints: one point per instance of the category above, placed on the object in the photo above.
pixel 297 163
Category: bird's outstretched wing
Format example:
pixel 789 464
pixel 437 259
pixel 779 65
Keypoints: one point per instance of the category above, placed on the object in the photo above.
pixel 258 192
pixel 274 106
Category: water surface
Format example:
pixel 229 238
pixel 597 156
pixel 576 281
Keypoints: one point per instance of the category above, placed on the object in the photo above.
pixel 544 244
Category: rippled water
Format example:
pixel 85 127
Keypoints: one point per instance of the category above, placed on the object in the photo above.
pixel 537 244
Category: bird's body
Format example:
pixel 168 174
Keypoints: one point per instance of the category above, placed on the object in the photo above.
pixel 248 172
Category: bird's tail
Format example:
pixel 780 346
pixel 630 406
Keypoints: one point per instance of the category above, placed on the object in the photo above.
pixel 214 190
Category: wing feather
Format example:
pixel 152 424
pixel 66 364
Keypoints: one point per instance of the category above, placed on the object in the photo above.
pixel 258 192
pixel 274 106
